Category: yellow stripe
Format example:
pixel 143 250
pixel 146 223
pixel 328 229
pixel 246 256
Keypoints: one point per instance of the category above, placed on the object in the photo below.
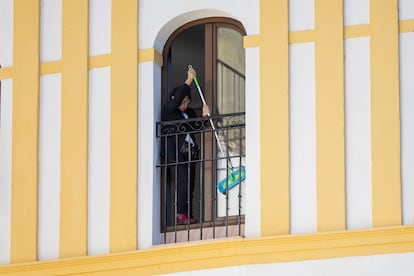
pixel 100 61
pixel 274 114
pixel 406 26
pixel 151 54
pixel 310 35
pixel 385 121
pixel 25 131
pixel 74 135
pixel 301 36
pixel 330 158
pixel 6 73
pixel 124 116
pixel 357 31
pixel 227 253
pixel 250 41
pixel 51 67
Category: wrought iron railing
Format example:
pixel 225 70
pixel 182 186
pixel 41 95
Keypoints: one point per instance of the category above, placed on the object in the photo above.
pixel 215 178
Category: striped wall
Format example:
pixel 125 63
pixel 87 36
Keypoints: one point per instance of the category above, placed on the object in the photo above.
pixel 57 144
pixel 344 180
pixel 335 126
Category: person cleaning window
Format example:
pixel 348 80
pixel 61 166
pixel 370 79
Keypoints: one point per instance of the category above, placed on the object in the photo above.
pixel 182 147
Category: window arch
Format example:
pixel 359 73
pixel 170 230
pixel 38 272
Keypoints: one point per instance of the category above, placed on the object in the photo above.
pixel 204 43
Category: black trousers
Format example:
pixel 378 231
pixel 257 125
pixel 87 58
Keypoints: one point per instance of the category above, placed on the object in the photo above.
pixel 182 176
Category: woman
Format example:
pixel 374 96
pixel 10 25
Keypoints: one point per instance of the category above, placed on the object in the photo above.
pixel 174 146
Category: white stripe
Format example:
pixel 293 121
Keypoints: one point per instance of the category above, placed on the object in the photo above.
pixel 50 30
pixel 358 133
pixel 407 125
pixel 252 200
pixel 356 12
pixel 148 181
pixel 99 27
pixel 301 15
pixel 49 167
pixel 6 33
pixel 5 169
pixel 99 160
pixel 406 9
pixel 302 138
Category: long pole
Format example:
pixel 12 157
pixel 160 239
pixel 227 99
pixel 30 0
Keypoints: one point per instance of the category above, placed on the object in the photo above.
pixel 211 121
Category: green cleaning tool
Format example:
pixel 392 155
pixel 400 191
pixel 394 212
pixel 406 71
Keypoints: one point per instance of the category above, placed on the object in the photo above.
pixel 234 176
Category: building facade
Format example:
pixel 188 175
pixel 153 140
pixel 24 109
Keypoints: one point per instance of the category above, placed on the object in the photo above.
pixel 329 91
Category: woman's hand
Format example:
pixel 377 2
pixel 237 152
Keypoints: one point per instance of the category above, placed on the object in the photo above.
pixel 190 76
pixel 206 110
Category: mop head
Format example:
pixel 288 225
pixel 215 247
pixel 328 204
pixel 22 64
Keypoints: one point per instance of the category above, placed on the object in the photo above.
pixel 233 178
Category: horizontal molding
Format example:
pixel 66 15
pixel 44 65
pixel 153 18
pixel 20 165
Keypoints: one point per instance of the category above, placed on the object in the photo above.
pixel 230 252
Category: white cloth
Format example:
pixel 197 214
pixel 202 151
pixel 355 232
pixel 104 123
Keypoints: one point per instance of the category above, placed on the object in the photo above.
pixel 188 138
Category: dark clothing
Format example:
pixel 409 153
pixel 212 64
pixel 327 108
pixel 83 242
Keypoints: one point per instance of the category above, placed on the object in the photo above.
pixel 181 174
pixel 170 110
pixel 171 143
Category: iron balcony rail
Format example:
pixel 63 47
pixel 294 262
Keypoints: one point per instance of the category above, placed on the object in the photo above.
pixel 218 211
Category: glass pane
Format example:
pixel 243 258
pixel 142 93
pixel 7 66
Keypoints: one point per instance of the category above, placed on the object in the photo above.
pixel 230 71
pixel 230 99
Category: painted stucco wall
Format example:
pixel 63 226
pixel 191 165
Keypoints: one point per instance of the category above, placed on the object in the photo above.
pixel 307 117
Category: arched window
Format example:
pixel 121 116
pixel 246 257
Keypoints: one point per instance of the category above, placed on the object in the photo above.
pixel 214 47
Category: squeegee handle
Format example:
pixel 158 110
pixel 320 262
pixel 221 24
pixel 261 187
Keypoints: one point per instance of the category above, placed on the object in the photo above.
pixel 198 88
pixel 211 121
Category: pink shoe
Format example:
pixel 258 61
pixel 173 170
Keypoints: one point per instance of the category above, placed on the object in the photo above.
pixel 184 219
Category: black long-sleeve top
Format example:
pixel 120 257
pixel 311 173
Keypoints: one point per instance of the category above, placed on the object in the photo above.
pixel 170 112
